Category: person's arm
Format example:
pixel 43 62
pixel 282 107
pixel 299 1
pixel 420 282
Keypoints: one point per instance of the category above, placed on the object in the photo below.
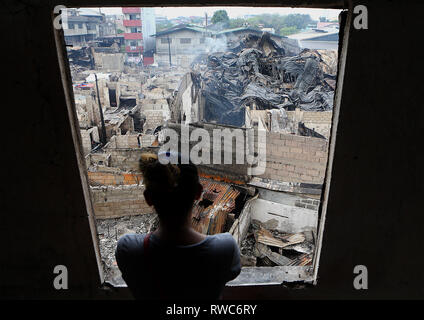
pixel 121 254
pixel 235 267
pixel 124 250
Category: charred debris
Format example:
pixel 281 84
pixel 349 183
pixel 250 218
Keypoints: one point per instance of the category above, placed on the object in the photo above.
pixel 258 74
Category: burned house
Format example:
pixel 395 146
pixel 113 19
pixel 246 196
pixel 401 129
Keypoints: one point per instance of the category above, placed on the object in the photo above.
pixel 178 46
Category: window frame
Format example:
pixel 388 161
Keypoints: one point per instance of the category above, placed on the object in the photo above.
pixel 185 40
pixel 76 136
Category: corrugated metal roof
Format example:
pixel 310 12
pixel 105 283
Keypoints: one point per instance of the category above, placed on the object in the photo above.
pixel 180 28
pixel 247 29
pixel 209 213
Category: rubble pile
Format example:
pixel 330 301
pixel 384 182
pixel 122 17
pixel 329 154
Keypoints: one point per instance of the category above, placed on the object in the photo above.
pixel 263 247
pixel 110 230
pixel 80 58
pixel 258 74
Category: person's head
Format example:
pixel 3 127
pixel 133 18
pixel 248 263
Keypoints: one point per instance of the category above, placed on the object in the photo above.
pixel 170 188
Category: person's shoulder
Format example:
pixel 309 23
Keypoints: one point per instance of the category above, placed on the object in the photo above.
pixel 227 249
pixel 226 236
pixel 223 240
pixel 129 242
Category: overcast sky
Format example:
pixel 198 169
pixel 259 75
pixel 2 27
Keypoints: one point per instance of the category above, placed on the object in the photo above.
pixel 233 12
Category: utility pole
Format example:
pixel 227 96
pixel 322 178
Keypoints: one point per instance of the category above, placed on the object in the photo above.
pixel 103 131
pixel 169 51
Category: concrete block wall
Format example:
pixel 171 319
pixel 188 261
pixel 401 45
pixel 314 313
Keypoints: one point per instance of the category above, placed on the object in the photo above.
pixel 147 140
pixel 112 62
pixel 318 120
pixel 124 141
pixel 119 201
pixel 293 158
pixel 312 204
pixel 158 104
pixel 229 172
pixel 99 159
pixel 113 178
pixel 154 118
pixel 119 127
pixel 156 93
pixel 124 159
pixel 127 125
pixel 86 139
pixel 182 60
pixel 119 158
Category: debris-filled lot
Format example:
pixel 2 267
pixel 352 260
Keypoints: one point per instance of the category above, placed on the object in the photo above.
pixel 110 230
pixel 263 247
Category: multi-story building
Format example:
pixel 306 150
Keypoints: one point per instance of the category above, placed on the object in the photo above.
pixel 82 25
pixel 133 35
pixel 139 24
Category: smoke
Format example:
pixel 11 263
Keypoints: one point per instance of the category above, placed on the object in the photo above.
pixel 216 44
pixel 210 45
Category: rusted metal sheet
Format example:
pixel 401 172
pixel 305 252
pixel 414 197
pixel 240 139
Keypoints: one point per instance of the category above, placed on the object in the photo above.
pixel 210 212
pixel 221 178
pixel 303 260
pixel 265 237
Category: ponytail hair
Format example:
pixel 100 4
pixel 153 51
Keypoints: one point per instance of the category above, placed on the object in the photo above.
pixel 171 187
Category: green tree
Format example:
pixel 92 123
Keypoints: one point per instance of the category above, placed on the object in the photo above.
pixel 285 31
pixel 283 25
pixel 300 21
pixel 163 25
pixel 220 16
pixel 237 23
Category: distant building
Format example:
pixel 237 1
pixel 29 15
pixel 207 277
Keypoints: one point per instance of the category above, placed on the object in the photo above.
pixel 139 25
pixel 108 27
pixel 133 34
pixel 324 25
pixel 161 19
pixel 181 44
pixel 324 39
pixel 82 26
pixel 119 22
pixel 148 30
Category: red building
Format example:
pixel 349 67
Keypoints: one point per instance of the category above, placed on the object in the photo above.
pixel 133 35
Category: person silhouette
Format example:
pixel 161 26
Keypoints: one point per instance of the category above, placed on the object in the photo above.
pixel 175 262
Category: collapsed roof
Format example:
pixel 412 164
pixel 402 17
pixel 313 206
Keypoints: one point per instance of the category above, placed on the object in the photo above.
pixel 258 74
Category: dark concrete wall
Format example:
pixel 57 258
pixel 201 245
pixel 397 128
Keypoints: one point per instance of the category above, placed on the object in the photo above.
pixel 374 214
